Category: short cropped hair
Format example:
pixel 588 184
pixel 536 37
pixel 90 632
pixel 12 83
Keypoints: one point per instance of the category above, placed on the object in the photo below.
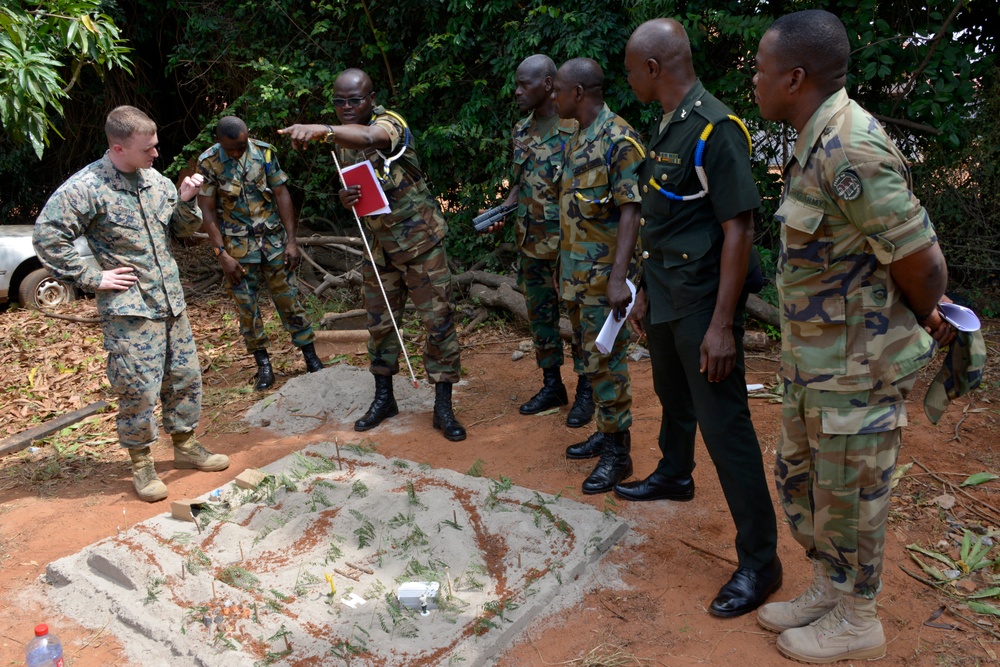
pixel 816 40
pixel 124 121
pixel 584 72
pixel 230 127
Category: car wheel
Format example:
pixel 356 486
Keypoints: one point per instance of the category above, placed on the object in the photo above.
pixel 40 290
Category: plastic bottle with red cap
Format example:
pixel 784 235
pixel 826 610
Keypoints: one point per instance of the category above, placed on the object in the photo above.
pixel 44 650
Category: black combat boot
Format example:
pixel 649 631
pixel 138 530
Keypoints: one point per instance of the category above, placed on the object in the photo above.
pixel 588 449
pixel 265 376
pixel 444 418
pixel 583 404
pixel 551 395
pixel 313 363
pixel 383 406
pixel 614 466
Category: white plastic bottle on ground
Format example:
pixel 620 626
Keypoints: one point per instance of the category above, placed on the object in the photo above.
pixel 44 650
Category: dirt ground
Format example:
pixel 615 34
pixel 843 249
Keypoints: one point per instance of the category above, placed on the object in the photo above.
pixel 52 503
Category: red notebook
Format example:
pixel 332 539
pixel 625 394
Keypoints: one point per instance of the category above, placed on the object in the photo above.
pixel 373 200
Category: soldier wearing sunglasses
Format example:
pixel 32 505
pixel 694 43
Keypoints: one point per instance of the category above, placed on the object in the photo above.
pixel 408 247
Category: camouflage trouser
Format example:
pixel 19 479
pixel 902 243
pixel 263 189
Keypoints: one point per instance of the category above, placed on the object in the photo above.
pixel 608 373
pixel 427 280
pixel 149 359
pixel 282 285
pixel 838 452
pixel 689 403
pixel 537 279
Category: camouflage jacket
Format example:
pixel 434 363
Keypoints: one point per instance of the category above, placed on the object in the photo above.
pixel 537 162
pixel 416 223
pixel 598 176
pixel 124 227
pixel 682 240
pixel 847 212
pixel 243 191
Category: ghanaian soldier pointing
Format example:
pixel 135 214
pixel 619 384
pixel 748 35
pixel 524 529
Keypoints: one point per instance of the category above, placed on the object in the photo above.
pixel 408 247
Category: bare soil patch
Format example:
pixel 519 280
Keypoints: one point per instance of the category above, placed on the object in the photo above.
pixel 75 489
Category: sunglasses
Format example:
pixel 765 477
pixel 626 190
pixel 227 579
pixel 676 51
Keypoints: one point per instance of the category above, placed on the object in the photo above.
pixel 341 102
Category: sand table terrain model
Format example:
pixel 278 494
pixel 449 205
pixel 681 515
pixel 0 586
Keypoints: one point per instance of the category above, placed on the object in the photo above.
pixel 338 556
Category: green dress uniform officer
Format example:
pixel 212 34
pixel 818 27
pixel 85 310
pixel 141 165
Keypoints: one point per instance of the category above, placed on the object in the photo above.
pixel 859 278
pixel 698 198
pixel 539 140
pixel 128 211
pixel 599 219
pixel 250 221
pixel 408 248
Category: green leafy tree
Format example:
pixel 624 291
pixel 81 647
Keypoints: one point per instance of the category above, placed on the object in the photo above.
pixel 43 48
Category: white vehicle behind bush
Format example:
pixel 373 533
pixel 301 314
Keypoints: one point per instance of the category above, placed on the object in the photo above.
pixel 22 276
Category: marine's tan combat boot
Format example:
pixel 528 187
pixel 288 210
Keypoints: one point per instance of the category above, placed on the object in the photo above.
pixel 144 478
pixel 189 453
pixel 812 605
pixel 850 631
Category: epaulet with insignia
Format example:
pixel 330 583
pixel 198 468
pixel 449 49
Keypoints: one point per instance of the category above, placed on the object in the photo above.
pixel 209 152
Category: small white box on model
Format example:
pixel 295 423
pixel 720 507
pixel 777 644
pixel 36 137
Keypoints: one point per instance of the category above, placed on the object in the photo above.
pixel 414 594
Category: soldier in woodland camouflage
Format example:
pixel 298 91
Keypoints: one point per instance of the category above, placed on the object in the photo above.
pixel 539 139
pixel 250 221
pixel 599 208
pixel 859 279
pixel 128 211
pixel 408 247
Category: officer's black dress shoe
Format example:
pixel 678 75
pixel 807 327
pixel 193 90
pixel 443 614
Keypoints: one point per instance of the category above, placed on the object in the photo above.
pixel 747 590
pixel 657 487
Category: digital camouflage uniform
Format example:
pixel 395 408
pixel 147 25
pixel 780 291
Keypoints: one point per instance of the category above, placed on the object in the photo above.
pixel 408 245
pixel 253 235
pixel 850 345
pixel 682 250
pixel 598 176
pixel 537 162
pixel 151 351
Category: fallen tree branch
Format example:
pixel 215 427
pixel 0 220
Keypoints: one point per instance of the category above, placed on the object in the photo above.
pixel 19 441
pixel 342 336
pixel 485 278
pixel 762 311
pixel 506 298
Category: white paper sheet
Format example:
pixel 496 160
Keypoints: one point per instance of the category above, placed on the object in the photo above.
pixel 606 339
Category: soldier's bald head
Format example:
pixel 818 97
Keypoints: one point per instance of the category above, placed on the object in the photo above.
pixel 583 72
pixel 537 66
pixel 815 40
pixel 353 77
pixel 665 41
pixel 230 127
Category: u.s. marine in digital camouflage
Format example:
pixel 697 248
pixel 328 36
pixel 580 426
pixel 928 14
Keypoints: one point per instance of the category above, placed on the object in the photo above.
pixel 859 278
pixel 128 213
pixel 599 213
pixel 408 247
pixel 250 219
pixel 538 142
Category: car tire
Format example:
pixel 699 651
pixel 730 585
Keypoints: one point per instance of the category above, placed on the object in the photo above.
pixel 40 290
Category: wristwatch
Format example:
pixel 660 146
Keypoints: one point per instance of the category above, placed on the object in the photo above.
pixel 330 134
pixel 218 250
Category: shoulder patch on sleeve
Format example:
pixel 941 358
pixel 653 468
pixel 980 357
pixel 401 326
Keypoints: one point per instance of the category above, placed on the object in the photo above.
pixel 847 185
